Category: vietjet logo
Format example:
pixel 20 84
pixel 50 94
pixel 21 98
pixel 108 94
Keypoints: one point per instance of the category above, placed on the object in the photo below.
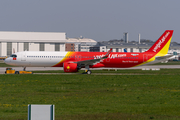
pixel 14 58
pixel 158 45
pixel 110 56
pixel 68 67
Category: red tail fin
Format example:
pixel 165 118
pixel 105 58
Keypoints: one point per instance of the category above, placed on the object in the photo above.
pixel 161 46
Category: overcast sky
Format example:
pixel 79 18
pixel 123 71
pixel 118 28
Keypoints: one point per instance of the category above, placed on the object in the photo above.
pixel 101 20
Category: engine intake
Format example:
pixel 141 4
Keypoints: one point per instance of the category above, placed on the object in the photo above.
pixel 70 67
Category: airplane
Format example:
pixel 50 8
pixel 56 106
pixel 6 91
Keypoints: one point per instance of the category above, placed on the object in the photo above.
pixel 74 61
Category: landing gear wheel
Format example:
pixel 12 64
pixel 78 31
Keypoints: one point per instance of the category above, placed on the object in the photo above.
pixel 17 72
pixel 88 72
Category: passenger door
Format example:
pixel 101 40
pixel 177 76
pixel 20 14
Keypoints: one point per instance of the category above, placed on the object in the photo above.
pixel 23 56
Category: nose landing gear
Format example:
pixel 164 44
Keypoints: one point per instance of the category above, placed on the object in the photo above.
pixel 24 69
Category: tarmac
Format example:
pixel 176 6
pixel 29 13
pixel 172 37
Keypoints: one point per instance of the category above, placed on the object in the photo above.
pixel 2 69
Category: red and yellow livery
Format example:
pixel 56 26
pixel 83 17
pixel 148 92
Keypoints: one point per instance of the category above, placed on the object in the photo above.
pixel 73 61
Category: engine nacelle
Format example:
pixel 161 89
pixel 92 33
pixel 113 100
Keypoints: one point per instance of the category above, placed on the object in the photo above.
pixel 70 67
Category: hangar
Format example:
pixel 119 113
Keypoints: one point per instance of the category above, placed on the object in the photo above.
pixel 41 41
pixel 31 41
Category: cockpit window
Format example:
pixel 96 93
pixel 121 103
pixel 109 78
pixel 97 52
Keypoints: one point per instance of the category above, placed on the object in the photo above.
pixel 13 55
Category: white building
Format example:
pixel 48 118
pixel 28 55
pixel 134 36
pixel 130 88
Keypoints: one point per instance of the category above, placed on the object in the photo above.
pixel 31 41
pixel 82 44
pixel 40 41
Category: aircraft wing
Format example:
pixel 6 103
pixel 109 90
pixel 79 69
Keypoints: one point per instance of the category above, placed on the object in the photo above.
pixel 94 61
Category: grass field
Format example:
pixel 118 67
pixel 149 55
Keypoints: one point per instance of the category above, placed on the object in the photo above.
pixel 121 72
pixel 154 95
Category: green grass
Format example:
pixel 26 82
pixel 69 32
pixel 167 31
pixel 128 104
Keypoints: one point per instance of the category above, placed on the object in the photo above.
pixel 5 65
pixel 80 96
pixel 122 72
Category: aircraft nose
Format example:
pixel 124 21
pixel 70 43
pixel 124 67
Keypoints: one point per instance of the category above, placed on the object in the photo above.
pixel 9 61
pixel 6 60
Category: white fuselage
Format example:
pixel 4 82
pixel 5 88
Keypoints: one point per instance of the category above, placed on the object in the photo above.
pixel 36 58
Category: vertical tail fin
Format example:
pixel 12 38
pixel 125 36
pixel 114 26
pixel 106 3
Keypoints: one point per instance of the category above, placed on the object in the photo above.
pixel 161 46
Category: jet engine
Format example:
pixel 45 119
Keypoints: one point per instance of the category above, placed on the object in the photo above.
pixel 70 67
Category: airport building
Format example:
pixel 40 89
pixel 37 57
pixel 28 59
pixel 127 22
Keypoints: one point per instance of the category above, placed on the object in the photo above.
pixel 31 41
pixel 119 46
pixel 81 44
pixel 11 42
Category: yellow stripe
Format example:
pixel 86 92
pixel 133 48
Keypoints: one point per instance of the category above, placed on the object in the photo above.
pixel 165 49
pixel 67 54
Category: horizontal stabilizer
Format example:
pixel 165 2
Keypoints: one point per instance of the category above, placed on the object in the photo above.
pixel 163 57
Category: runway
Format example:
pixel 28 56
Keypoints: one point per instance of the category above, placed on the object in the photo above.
pixel 2 69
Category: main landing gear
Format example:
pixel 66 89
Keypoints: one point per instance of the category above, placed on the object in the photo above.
pixel 87 70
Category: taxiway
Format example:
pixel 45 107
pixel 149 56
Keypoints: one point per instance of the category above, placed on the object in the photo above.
pixel 2 69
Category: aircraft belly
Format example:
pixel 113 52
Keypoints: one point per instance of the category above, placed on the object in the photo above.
pixel 122 63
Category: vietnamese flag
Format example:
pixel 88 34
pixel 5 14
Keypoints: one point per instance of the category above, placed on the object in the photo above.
pixel 14 58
